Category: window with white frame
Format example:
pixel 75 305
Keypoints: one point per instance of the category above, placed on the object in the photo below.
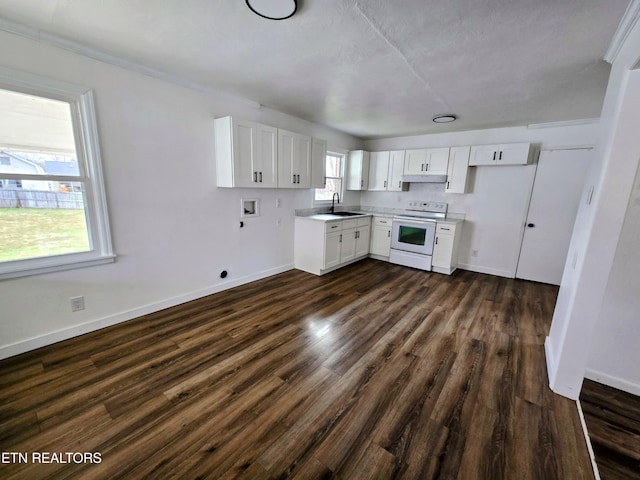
pixel 335 164
pixel 52 202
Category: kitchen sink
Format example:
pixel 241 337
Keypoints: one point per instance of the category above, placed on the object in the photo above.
pixel 346 214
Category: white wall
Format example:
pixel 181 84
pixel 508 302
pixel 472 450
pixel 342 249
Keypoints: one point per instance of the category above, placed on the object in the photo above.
pixel 172 229
pixel 581 318
pixel 615 355
pixel 496 206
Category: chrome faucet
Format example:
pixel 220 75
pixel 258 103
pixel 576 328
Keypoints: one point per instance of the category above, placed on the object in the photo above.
pixel 333 199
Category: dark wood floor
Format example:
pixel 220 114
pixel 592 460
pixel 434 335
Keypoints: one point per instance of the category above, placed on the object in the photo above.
pixel 374 371
pixel 613 421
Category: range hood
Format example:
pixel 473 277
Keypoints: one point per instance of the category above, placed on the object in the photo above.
pixel 424 178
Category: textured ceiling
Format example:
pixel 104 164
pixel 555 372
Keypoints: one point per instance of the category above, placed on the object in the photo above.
pixel 371 68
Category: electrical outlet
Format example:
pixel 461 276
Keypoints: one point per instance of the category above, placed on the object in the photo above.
pixel 278 202
pixel 77 303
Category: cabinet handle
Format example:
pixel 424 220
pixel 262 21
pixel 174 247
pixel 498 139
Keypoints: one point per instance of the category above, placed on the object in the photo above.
pixel 389 234
pixel 294 178
pixel 255 177
pixel 400 184
pixel 447 185
pixel 334 226
pixel 422 167
pixel 494 156
pixel 298 178
pixel 361 183
pixel 436 240
pixel 500 157
pixel 427 169
pixel 385 184
pixel 260 177
pixel 357 234
pixel 447 229
pixel 340 241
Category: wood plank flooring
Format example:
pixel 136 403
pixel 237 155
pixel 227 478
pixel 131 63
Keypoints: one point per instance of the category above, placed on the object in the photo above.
pixel 613 421
pixel 374 371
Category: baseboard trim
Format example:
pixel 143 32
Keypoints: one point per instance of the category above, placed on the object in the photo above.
pixel 613 382
pixel 50 338
pixel 585 431
pixel 487 270
pixel 551 364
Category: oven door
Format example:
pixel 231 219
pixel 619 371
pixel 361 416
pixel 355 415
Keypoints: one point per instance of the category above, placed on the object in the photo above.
pixel 411 235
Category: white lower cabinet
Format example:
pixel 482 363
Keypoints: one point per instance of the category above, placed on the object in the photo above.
pixel 445 248
pixel 320 247
pixel 381 236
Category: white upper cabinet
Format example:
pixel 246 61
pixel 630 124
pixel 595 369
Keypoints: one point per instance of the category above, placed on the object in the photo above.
pixel 245 154
pixel 426 161
pixel 318 163
pixel 386 170
pixel 378 171
pixel 358 170
pixel 503 154
pixel 457 170
pixel 294 160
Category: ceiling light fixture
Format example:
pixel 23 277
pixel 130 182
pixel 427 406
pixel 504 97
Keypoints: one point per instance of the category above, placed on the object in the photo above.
pixel 445 118
pixel 273 9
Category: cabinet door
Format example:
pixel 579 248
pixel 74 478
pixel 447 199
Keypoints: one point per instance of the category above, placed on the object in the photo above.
pixel 437 161
pixel 442 251
pixel 514 154
pixel 245 165
pixel 358 170
pixel 302 160
pixel 483 155
pixel 348 245
pixel 378 171
pixel 396 170
pixel 457 170
pixel 332 249
pixel 415 161
pixel 318 163
pixel 266 162
pixel 381 240
pixel 363 237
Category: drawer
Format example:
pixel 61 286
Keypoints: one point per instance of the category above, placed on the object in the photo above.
pixel 333 226
pixel 364 221
pixel 446 228
pixel 353 223
pixel 382 221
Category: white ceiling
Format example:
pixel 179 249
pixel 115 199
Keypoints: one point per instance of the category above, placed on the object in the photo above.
pixel 371 68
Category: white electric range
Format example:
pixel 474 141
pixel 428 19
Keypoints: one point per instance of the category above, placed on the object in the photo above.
pixel 413 233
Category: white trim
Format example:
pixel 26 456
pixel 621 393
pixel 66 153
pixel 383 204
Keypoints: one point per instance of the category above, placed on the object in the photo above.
pixel 23 346
pixel 551 363
pixel 488 270
pixel 566 123
pixel 585 431
pixel 40 265
pixel 629 20
pixel 54 40
pixel 614 382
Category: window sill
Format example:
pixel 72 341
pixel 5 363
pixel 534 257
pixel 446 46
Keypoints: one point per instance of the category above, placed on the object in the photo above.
pixel 48 265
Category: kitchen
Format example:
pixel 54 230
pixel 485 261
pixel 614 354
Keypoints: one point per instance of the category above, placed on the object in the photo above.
pixel 174 231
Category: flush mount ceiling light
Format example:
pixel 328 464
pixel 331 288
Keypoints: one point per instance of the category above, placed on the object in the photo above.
pixel 273 9
pixel 446 118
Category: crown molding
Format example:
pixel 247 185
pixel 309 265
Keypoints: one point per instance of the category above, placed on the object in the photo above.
pixel 51 39
pixel 629 20
pixel 566 123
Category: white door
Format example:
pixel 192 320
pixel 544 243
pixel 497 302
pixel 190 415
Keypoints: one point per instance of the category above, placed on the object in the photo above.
pixel 557 190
